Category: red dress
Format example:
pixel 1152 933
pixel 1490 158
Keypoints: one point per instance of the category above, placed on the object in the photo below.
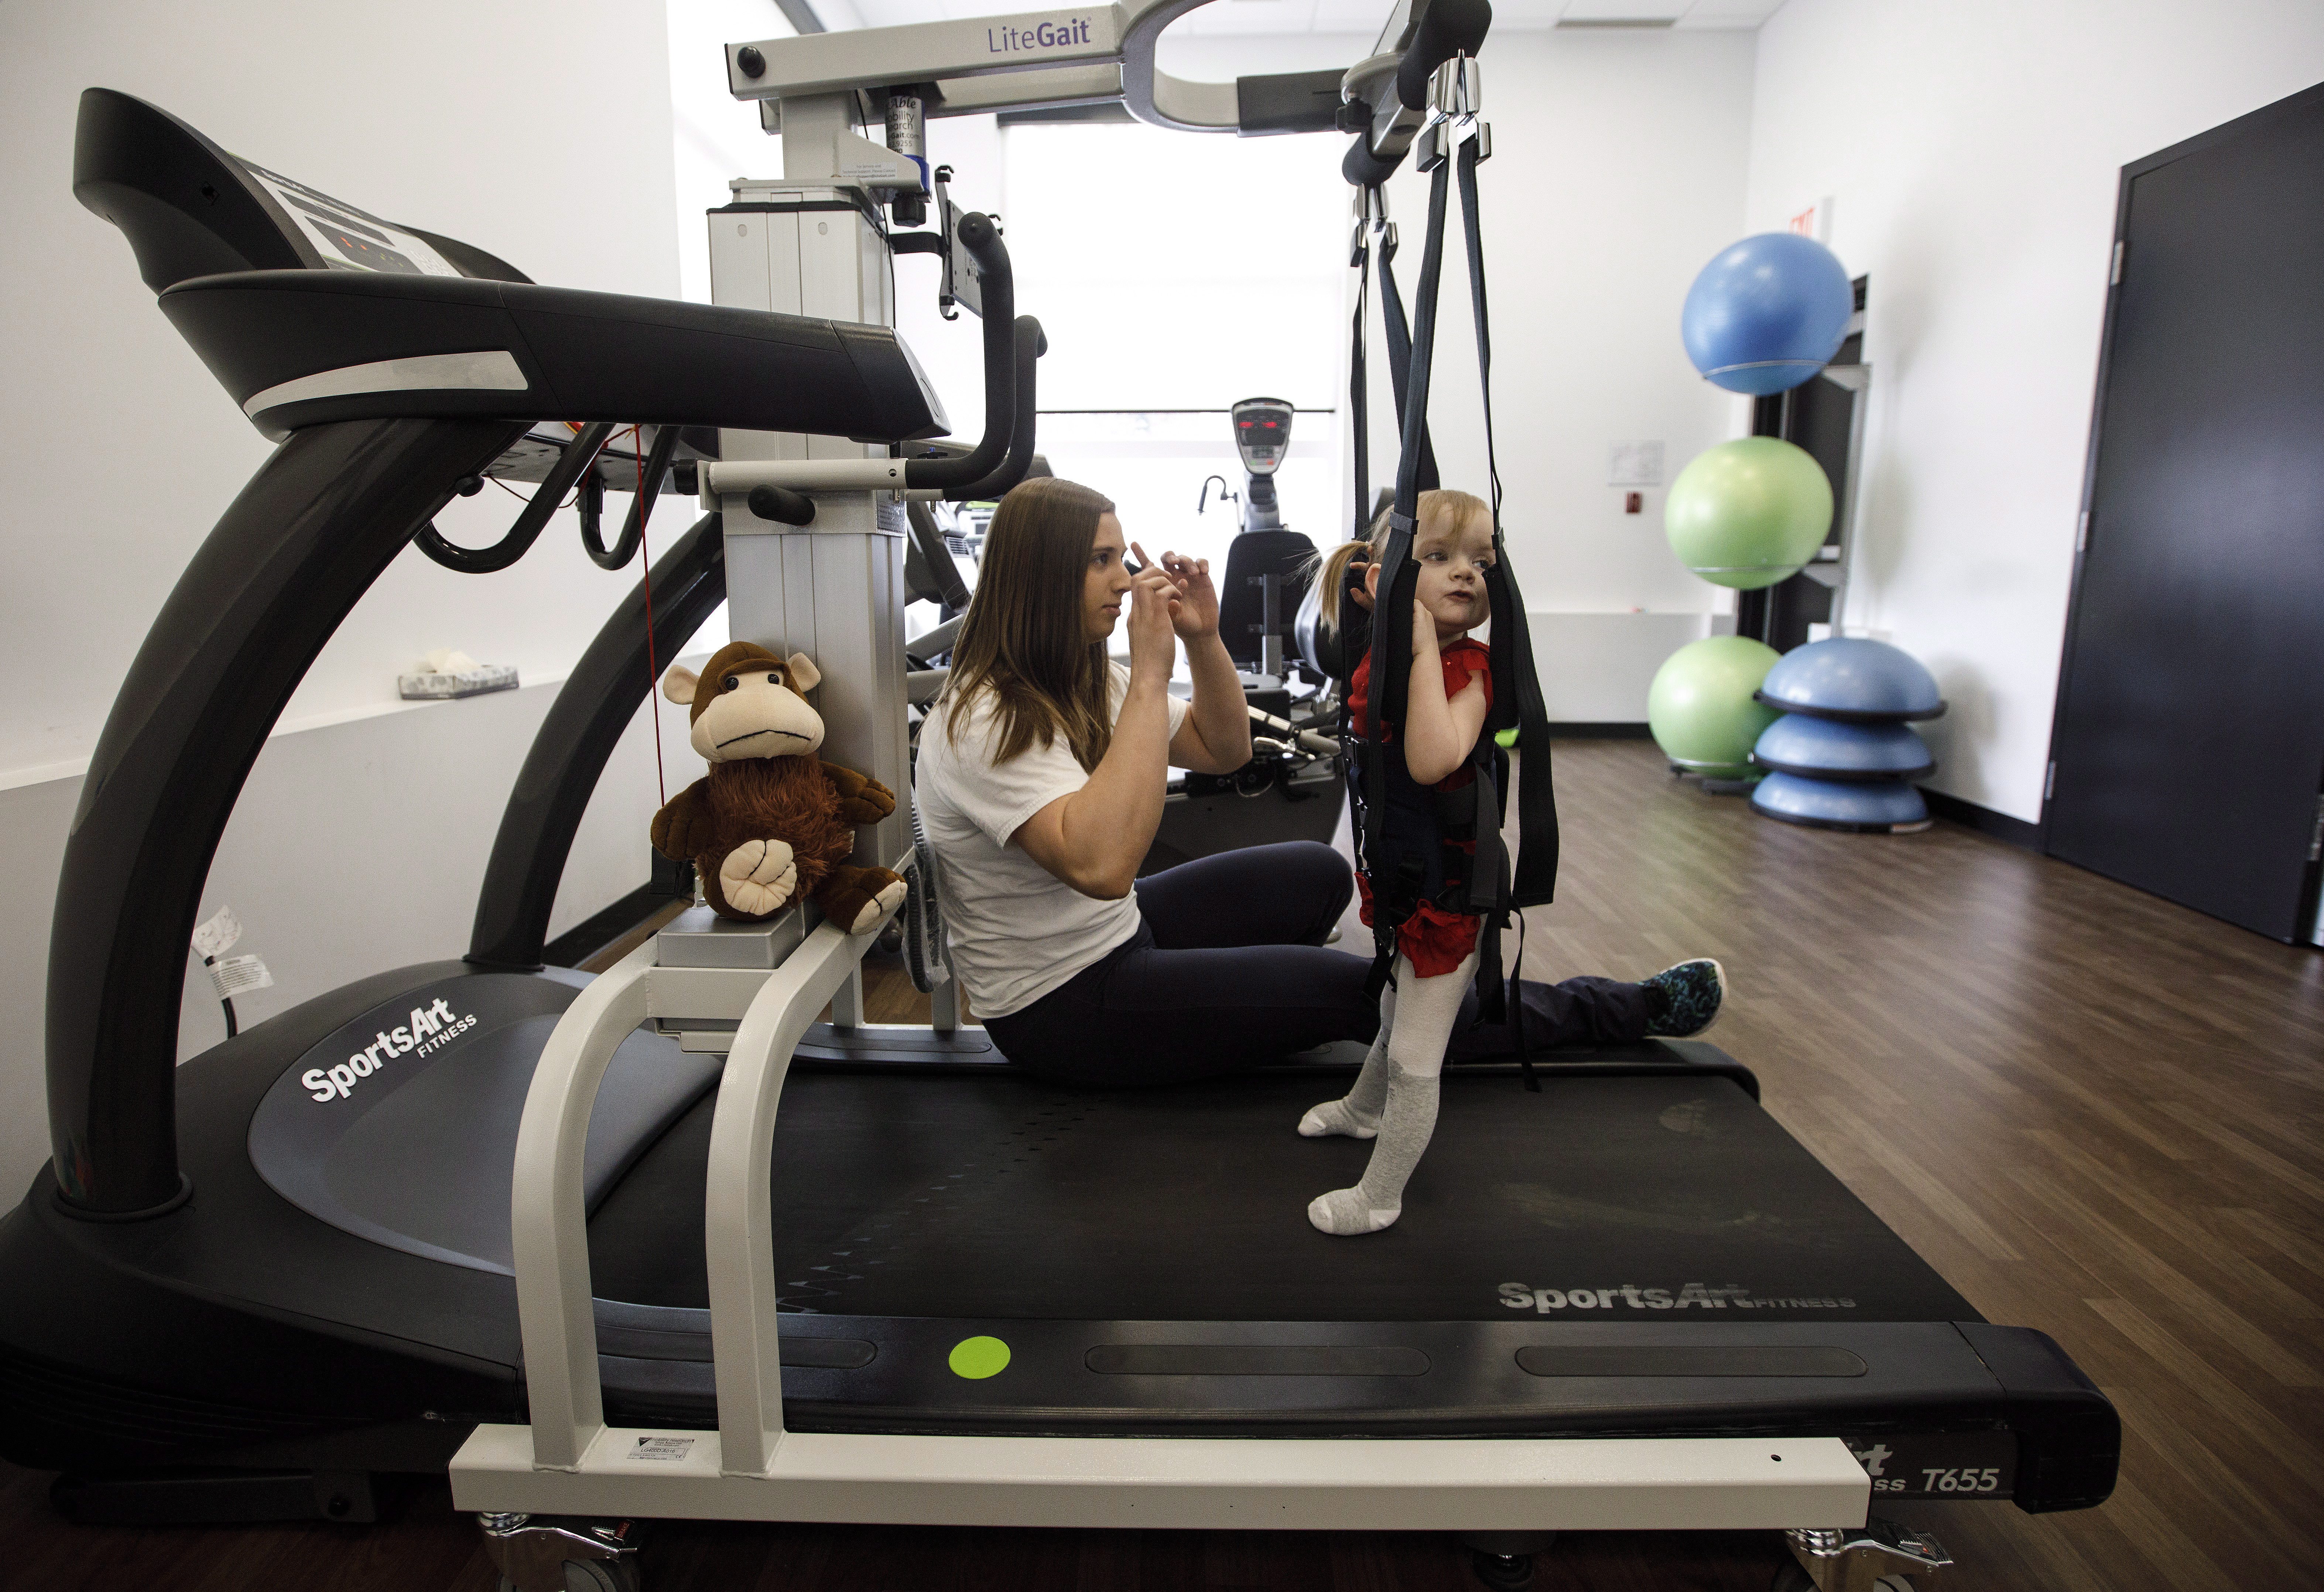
pixel 1435 940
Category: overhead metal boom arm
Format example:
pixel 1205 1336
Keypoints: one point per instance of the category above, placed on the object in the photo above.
pixel 1080 55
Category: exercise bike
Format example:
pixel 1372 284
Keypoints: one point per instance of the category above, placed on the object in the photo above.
pixel 1290 790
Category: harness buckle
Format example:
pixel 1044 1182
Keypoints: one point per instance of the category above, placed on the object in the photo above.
pixel 1456 88
pixel 1428 150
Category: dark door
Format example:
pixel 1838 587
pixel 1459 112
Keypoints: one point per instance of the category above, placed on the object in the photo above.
pixel 2189 745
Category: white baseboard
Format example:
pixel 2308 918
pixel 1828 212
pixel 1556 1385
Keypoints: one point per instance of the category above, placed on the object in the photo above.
pixel 1595 668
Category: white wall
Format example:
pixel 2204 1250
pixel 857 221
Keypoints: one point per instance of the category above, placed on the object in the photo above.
pixel 1973 151
pixel 546 141
pixel 548 145
pixel 716 137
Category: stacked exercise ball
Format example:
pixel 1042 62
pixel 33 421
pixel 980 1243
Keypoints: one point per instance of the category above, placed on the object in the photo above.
pixel 1843 754
pixel 1767 314
pixel 1702 706
pixel 1763 317
pixel 1750 513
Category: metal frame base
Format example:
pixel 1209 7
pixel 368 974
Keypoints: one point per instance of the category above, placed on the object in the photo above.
pixel 1197 1483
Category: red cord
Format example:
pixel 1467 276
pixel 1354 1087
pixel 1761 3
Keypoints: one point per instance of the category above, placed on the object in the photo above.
pixel 653 670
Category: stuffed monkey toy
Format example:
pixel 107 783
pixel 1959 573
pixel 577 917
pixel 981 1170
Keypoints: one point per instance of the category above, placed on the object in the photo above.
pixel 773 821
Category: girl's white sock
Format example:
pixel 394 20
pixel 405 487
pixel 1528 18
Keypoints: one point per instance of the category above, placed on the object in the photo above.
pixel 1357 1114
pixel 1414 1049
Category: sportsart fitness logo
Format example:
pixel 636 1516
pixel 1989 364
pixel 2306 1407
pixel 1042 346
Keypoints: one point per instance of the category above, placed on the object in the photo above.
pixel 428 1029
pixel 1521 1296
pixel 1049 35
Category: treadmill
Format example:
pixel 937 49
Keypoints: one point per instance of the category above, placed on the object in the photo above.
pixel 311 1259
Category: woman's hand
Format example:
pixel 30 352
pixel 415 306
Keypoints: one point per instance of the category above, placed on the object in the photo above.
pixel 1214 736
pixel 1198 599
pixel 1153 621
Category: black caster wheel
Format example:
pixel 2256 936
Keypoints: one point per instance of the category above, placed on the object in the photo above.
pixel 583 1574
pixel 1503 1572
pixel 1791 1577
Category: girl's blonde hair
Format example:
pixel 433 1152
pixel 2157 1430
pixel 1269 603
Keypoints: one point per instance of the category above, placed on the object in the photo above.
pixel 1441 514
pixel 1024 639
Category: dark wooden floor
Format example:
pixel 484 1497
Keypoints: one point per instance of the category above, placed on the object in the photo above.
pixel 2095 1113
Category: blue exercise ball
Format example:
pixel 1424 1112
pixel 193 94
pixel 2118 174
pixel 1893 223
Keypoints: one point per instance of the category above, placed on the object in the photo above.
pixel 1766 314
pixel 1882 808
pixel 1827 749
pixel 1853 678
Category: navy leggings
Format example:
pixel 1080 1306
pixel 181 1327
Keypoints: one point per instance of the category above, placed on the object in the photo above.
pixel 1228 971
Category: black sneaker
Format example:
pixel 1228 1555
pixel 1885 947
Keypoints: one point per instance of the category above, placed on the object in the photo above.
pixel 1683 1001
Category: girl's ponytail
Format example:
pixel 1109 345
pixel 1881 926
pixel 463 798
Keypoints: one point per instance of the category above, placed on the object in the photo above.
pixel 1331 569
pixel 1331 580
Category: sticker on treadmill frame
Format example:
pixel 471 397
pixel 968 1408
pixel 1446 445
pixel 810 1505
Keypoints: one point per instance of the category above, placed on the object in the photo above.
pixel 240 974
pixel 1521 1296
pixel 356 240
pixel 1940 1465
pixel 663 1450
pixel 218 935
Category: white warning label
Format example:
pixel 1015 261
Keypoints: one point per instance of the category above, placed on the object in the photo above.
pixel 236 975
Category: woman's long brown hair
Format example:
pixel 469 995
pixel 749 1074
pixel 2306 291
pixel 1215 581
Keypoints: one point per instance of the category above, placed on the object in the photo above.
pixel 1024 640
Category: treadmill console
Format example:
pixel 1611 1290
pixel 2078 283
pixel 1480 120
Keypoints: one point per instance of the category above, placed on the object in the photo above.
pixel 190 208
pixel 1262 430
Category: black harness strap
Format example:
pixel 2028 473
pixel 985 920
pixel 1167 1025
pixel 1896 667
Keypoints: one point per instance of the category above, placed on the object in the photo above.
pixel 1517 685
pixel 1400 342
pixel 1391 639
pixel 1360 379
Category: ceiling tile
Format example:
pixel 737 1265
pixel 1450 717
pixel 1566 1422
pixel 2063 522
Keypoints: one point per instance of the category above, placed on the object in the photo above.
pixel 1248 16
pixel 1622 10
pixel 1729 13
pixel 1526 15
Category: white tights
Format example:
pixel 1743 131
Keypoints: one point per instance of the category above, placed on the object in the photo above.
pixel 1395 1098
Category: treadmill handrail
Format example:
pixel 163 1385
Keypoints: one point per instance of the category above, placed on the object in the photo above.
pixel 1031 344
pixel 549 1224
pixel 997 288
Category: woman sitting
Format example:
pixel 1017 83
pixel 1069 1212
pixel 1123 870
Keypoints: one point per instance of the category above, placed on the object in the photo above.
pixel 1040 781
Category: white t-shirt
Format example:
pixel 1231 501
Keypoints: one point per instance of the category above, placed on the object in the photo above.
pixel 1016 931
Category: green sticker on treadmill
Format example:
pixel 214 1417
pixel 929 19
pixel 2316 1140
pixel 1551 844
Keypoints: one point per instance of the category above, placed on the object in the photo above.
pixel 977 1359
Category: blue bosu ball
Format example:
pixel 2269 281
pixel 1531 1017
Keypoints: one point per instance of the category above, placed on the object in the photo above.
pixel 1828 749
pixel 1767 313
pixel 1879 807
pixel 1854 680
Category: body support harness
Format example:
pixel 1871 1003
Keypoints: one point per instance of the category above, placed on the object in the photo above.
pixel 1485 882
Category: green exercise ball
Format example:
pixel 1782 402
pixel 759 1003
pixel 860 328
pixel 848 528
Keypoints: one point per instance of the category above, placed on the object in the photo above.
pixel 1750 513
pixel 1700 706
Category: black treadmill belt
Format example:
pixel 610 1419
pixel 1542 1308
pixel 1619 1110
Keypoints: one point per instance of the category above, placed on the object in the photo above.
pixel 1661 1198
